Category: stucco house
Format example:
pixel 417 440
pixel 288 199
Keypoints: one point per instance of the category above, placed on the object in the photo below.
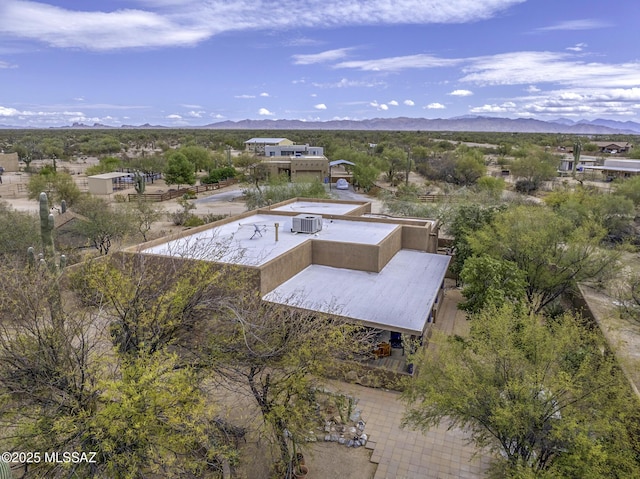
pixel 328 256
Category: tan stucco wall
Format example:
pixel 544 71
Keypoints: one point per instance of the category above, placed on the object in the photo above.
pixel 9 161
pixel 282 268
pixel 417 237
pixel 361 257
pixel 388 247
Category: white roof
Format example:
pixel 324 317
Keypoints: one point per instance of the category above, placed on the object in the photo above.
pixel 233 243
pixel 316 207
pixel 626 169
pixel 265 140
pixel 399 297
pixel 109 176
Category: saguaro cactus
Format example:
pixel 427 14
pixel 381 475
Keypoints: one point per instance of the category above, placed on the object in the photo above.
pixel 577 149
pixel 47 223
pixel 139 182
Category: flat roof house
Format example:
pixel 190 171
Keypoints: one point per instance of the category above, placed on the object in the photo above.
pixel 328 256
pixel 617 168
pixel 258 145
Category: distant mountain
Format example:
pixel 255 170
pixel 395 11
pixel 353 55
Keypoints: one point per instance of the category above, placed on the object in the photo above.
pixel 461 123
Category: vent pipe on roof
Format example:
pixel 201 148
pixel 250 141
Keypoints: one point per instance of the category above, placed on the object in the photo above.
pixel 277 225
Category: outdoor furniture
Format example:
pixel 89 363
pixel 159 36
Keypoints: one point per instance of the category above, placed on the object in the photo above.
pixel 383 350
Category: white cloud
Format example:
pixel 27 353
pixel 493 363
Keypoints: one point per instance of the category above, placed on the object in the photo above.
pixel 578 47
pixel 187 22
pixel 322 57
pixel 409 102
pixel 525 68
pixel 264 94
pixel 532 89
pixel 265 112
pixel 345 83
pixel 393 103
pixel 504 108
pixel 195 114
pixel 4 111
pixel 435 106
pixel 174 117
pixel 320 106
pixel 582 24
pixel 461 93
pixel 379 106
pixel 6 65
pixel 400 63
pixel 244 97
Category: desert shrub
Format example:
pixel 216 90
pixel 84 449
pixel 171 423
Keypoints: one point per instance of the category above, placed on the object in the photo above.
pixel 219 174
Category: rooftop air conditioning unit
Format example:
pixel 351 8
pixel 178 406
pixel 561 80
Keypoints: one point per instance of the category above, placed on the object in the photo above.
pixel 306 224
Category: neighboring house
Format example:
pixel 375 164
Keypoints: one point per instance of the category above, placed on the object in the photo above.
pixel 298 168
pixel 329 256
pixel 9 161
pixel 613 147
pixel 566 163
pixel 258 145
pixel 293 150
pixel 617 168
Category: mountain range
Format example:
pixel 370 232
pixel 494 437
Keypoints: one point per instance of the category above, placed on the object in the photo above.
pixel 463 123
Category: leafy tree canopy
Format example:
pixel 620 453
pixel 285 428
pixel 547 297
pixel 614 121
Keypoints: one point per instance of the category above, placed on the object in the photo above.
pixel 539 393
pixel 179 170
pixel 548 248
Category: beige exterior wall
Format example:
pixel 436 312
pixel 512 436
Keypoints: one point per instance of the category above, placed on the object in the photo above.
pixel 100 186
pixel 417 237
pixel 388 247
pixel 360 257
pixel 299 169
pixel 9 161
pixel 280 269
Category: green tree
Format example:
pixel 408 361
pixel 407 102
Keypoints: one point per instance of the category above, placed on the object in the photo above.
pixel 199 156
pixel 629 188
pixel 469 165
pixel 48 379
pixel 154 419
pixel 278 354
pixel 490 185
pixel 105 165
pixel 533 168
pixel 18 230
pixel 467 219
pixel 103 225
pixel 540 394
pixel 614 212
pixel 551 252
pixel 153 304
pixel 179 170
pixel 144 214
pixel 58 186
pixel 490 282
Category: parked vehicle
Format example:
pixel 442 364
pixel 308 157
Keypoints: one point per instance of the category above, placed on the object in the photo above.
pixel 342 184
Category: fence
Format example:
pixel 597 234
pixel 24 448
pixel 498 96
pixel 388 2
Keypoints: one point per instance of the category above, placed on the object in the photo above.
pixel 169 195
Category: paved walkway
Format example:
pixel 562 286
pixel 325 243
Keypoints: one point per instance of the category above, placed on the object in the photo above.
pixel 406 454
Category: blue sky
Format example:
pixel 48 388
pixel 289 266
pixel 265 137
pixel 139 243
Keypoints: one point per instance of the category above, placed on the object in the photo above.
pixel 196 62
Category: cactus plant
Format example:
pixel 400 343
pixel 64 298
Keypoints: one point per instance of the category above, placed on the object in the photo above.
pixel 47 223
pixel 577 149
pixel 139 182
